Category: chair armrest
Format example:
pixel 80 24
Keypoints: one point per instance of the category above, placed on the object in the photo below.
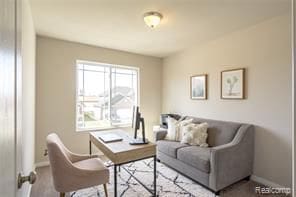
pixel 77 171
pixel 159 134
pixel 79 157
pixel 233 161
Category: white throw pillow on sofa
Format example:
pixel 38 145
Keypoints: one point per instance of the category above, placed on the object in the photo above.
pixel 181 125
pixel 171 135
pixel 200 134
pixel 175 128
pixel 186 134
pixel 195 134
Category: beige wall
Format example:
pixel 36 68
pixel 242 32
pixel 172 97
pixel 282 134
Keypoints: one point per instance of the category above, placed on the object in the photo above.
pixel 28 92
pixel 265 51
pixel 56 89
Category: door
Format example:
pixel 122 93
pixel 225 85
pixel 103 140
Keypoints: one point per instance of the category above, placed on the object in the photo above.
pixel 10 98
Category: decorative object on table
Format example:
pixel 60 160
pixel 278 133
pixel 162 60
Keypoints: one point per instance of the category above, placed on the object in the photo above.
pixel 198 87
pixel 233 84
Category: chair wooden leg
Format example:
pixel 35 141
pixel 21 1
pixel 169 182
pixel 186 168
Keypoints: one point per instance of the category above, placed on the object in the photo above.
pixel 105 190
pixel 62 194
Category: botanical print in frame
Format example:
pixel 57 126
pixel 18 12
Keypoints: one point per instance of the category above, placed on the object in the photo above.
pixel 232 84
pixel 198 87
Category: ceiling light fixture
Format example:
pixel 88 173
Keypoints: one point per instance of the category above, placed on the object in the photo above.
pixel 152 19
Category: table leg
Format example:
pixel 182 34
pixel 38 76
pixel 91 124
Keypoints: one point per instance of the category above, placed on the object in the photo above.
pixel 154 183
pixel 90 152
pixel 115 180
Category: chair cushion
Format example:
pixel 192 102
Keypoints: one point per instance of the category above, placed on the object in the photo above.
pixel 94 164
pixel 169 147
pixel 195 156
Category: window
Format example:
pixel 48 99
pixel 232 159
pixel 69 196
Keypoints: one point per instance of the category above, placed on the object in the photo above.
pixel 105 95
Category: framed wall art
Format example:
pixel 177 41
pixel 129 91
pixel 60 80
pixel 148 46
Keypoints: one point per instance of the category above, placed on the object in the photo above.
pixel 233 84
pixel 198 87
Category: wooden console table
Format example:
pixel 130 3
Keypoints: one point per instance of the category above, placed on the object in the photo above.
pixel 122 152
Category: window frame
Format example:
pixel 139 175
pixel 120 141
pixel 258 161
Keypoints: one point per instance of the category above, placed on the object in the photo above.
pixel 123 125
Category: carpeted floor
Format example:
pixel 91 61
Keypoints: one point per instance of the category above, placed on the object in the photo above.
pixel 169 184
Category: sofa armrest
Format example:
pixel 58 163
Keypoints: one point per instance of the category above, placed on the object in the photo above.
pixel 233 161
pixel 159 134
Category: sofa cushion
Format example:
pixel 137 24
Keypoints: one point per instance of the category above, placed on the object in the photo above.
pixel 219 132
pixel 195 156
pixel 169 147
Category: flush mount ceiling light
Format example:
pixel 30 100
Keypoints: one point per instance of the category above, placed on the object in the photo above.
pixel 152 19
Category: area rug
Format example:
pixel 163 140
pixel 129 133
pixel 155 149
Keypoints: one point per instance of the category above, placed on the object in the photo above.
pixel 169 183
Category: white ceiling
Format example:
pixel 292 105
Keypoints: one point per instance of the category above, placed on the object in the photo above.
pixel 118 24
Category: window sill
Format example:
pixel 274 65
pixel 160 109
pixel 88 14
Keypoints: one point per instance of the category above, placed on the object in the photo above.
pixel 103 128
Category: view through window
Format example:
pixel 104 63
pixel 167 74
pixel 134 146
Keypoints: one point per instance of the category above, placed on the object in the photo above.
pixel 105 95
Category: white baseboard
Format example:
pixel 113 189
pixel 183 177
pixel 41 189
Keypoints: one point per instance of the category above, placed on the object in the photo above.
pixel 265 182
pixel 42 164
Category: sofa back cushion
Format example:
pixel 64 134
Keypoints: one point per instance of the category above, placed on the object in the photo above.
pixel 219 132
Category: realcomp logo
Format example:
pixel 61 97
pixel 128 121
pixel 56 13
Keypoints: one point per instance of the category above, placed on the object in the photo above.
pixel 272 190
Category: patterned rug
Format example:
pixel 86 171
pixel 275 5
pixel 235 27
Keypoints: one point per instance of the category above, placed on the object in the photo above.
pixel 169 183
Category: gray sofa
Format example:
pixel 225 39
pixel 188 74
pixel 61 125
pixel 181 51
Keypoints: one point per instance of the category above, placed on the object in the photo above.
pixel 228 159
